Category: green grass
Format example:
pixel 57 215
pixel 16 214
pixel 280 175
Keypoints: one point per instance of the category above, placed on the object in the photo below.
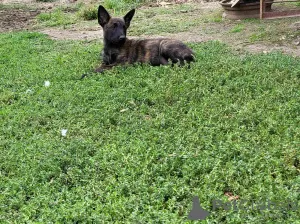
pixel 142 141
pixel 89 12
pixel 147 21
pixel 56 18
pixel 237 28
pixel 65 15
pixel 189 17
pixel 177 18
pixel 15 6
pixel 120 5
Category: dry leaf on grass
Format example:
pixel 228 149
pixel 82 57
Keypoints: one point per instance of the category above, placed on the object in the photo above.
pixel 231 197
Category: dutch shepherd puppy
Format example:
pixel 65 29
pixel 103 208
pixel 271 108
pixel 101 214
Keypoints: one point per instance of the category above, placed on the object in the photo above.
pixel 119 50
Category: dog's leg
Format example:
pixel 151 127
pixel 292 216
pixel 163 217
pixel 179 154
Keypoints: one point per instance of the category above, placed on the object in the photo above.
pixel 101 69
pixel 163 61
pixel 176 51
pixel 104 67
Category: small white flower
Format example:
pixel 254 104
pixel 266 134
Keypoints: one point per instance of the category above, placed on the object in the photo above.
pixel 64 132
pixel 47 83
pixel 123 110
pixel 29 91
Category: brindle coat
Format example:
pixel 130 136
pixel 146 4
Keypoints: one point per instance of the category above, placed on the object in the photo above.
pixel 119 50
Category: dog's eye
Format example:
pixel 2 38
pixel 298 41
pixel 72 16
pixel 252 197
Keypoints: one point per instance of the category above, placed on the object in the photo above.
pixel 115 25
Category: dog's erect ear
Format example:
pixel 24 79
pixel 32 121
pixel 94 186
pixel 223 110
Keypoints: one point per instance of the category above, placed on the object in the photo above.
pixel 128 17
pixel 103 16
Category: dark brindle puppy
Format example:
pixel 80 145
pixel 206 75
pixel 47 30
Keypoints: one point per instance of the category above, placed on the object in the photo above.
pixel 118 50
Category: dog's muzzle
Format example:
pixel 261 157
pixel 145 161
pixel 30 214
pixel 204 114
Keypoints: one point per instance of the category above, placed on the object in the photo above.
pixel 122 38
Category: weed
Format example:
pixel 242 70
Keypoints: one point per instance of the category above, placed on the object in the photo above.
pixel 237 28
pixel 121 6
pixel 56 18
pixel 72 8
pixel 257 36
pixel 214 16
pixel 89 13
pixel 15 6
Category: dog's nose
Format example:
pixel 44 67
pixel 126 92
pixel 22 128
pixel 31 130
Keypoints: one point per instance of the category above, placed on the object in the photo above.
pixel 122 37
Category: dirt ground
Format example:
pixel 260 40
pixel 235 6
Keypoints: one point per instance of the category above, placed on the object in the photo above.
pixel 22 18
pixel 16 19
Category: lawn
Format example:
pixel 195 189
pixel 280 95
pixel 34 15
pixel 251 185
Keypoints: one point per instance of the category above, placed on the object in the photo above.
pixel 142 141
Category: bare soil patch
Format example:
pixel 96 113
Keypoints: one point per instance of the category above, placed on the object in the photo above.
pixel 16 19
pixel 73 34
pixel 16 1
pixel 261 48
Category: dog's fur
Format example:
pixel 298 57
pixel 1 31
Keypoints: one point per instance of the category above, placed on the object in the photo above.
pixel 118 50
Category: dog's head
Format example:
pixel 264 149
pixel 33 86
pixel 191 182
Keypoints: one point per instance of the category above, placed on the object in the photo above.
pixel 114 29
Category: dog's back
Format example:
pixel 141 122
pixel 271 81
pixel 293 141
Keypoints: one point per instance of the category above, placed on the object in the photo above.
pixel 120 50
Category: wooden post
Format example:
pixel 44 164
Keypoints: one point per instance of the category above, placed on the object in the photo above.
pixel 261 7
